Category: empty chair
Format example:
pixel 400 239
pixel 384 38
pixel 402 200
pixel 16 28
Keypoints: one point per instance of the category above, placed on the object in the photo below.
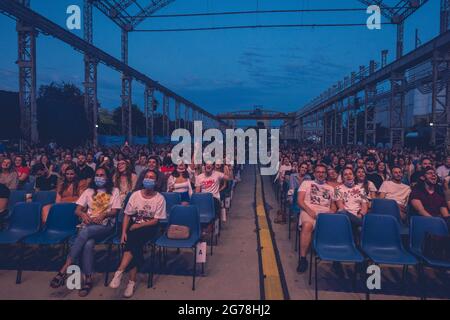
pixel 333 241
pixel 381 242
pixel 182 216
pixel 205 206
pixel 172 199
pixel 419 227
pixel 15 197
pixel 25 220
pixel 389 207
pixel 59 227
pixel 44 197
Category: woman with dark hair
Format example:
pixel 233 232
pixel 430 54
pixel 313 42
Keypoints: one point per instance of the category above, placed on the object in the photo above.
pixel 23 171
pixel 179 181
pixel 140 225
pixel 97 208
pixel 46 162
pixel 8 176
pixel 368 186
pixel 124 179
pixel 382 171
pixel 341 165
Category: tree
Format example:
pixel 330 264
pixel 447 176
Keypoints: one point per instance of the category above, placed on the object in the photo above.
pixel 137 120
pixel 61 115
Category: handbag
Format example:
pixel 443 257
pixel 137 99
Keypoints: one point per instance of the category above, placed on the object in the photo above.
pixel 436 247
pixel 176 232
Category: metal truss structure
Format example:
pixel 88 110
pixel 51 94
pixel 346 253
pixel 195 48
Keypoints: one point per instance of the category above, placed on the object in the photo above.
pixel 333 117
pixel 30 24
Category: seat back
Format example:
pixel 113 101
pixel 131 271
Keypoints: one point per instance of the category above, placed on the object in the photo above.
pixel 205 205
pixel 15 197
pixel 62 218
pixel 422 225
pixel 172 199
pixel 333 230
pixel 26 217
pixel 380 231
pixel 44 197
pixel 186 216
pixel 386 207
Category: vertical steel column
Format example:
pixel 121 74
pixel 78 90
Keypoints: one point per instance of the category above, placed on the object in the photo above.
pixel 90 76
pixel 126 92
pixel 339 123
pixel 440 102
pixel 166 119
pixel 177 115
pixel 396 111
pixel 444 26
pixel 149 97
pixel 445 15
pixel 27 79
pixel 369 110
pixel 186 115
pixel 400 38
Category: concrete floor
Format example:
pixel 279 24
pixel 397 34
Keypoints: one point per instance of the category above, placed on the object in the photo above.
pixel 232 273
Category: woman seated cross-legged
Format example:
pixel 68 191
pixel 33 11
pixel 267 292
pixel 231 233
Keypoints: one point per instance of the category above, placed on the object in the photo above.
pixel 97 208
pixel 140 225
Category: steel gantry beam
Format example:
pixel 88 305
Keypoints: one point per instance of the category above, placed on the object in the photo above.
pixel 149 100
pixel 29 23
pixel 397 15
pixel 26 62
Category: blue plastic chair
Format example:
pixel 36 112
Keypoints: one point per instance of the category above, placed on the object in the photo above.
pixel 205 205
pixel 25 220
pixel 184 216
pixel 333 241
pixel 15 197
pixel 172 199
pixel 44 197
pixel 389 207
pixel 381 242
pixel 418 228
pixel 59 227
pixel 29 186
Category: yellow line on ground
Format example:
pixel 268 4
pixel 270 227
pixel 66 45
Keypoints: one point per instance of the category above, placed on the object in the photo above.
pixel 272 283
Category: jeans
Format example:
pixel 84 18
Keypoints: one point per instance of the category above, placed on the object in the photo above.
pixel 356 222
pixel 84 244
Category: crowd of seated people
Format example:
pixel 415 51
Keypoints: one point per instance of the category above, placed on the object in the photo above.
pixel 102 182
pixel 347 180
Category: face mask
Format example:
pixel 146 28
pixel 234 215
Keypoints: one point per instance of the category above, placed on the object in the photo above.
pixel 320 181
pixel 149 184
pixel 349 184
pixel 100 182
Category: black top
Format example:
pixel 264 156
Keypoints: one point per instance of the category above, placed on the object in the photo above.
pixel 85 173
pixel 376 179
pixel 4 191
pixel 47 183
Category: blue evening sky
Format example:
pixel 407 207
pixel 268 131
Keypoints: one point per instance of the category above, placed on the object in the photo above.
pixel 280 69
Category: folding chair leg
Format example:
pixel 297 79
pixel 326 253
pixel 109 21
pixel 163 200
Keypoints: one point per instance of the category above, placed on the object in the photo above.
pixel 108 260
pixel 404 277
pixel 310 266
pixel 152 268
pixel 315 278
pixel 355 276
pixel 195 268
pixel 212 238
pixel 20 265
pixel 423 281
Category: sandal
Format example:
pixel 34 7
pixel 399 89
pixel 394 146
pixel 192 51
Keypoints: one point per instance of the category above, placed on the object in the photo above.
pixel 59 280
pixel 86 289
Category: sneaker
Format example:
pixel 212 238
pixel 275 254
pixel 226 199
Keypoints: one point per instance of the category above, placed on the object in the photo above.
pixel 129 291
pixel 115 282
pixel 302 265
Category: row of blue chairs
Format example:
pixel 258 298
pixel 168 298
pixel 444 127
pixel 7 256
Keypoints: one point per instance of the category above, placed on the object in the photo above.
pixel 380 243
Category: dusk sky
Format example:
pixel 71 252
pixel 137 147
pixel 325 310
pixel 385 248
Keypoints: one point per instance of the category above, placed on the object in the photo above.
pixel 280 69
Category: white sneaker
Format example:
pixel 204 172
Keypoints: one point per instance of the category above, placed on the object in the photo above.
pixel 129 291
pixel 115 282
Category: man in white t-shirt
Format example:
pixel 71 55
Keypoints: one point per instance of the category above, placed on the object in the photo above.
pixel 209 182
pixel 351 198
pixel 314 197
pixel 396 190
pixel 444 170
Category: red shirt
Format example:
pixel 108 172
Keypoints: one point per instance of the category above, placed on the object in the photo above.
pixel 431 202
pixel 23 170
